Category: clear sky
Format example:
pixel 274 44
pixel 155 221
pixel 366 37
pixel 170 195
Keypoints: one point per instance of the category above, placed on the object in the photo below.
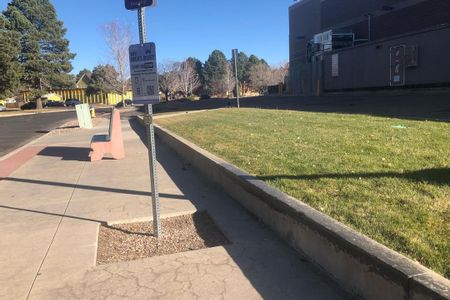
pixel 180 28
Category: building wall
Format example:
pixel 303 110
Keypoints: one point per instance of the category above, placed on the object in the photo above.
pixel 389 19
pixel 335 12
pixel 405 16
pixel 304 22
pixel 356 71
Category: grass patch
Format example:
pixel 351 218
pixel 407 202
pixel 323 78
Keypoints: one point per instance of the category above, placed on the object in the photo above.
pixel 390 183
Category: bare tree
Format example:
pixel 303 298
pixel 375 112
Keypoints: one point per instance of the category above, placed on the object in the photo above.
pixel 188 77
pixel 260 76
pixel 169 80
pixel 231 81
pixel 118 39
pixel 279 73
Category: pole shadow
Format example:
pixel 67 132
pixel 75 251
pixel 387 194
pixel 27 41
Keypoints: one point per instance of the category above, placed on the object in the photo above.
pixel 439 176
pixel 101 222
pixel 89 187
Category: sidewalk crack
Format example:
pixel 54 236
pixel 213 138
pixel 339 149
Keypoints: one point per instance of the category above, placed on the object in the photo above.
pixel 56 231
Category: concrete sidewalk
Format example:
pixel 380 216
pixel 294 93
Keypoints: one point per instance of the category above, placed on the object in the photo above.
pixel 51 208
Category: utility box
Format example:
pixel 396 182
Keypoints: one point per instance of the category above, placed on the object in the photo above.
pixel 84 116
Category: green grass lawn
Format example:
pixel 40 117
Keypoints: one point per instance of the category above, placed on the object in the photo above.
pixel 390 183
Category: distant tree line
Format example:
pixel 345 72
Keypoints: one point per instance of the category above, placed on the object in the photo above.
pixel 216 77
pixel 35 56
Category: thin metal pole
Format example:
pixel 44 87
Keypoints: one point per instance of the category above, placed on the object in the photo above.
pixel 141 23
pixel 237 80
pixel 150 142
pixel 153 176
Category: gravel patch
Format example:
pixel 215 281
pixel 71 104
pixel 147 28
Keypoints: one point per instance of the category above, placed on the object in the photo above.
pixel 126 242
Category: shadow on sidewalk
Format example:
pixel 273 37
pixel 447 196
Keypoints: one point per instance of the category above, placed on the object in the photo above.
pixel 90 187
pixel 67 153
pixel 139 130
pixel 103 223
pixel 275 270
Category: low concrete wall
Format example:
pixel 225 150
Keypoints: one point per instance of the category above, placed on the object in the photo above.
pixel 362 266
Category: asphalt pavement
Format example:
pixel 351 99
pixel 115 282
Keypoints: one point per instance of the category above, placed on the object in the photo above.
pixel 17 131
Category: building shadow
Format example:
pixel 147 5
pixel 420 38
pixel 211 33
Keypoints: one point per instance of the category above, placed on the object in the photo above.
pixel 67 153
pixel 411 107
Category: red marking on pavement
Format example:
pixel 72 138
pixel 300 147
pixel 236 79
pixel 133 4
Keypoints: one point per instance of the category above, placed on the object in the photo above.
pixel 12 163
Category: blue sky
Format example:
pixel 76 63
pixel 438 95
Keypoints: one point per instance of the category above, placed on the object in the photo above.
pixel 180 28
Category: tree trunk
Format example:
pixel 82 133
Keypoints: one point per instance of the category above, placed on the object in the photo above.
pixel 39 103
pixel 123 97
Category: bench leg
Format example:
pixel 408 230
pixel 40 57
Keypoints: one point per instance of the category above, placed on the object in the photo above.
pixel 97 153
pixel 117 150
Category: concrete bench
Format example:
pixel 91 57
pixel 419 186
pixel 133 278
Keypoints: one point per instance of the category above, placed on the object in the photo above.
pixel 112 143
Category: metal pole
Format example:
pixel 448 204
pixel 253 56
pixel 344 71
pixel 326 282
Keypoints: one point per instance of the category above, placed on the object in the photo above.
pixel 150 142
pixel 141 23
pixel 369 21
pixel 237 80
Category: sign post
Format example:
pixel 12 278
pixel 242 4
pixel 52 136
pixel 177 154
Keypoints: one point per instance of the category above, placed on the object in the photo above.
pixel 235 55
pixel 144 80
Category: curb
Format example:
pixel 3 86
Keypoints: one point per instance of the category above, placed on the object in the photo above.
pixel 33 113
pixel 360 265
pixel 15 151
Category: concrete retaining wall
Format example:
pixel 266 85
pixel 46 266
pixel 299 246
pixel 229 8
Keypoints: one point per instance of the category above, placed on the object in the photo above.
pixel 362 266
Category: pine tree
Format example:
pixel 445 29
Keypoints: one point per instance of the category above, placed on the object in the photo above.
pixel 44 54
pixel 242 67
pixel 215 73
pixel 104 79
pixel 10 70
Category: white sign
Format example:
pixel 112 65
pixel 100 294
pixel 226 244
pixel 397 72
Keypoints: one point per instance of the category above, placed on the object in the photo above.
pixel 144 73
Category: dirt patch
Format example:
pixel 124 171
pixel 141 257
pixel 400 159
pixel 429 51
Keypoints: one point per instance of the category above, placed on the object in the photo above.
pixel 73 126
pixel 180 234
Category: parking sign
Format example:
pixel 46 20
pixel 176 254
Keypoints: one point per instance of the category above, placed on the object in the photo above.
pixel 136 4
pixel 144 73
